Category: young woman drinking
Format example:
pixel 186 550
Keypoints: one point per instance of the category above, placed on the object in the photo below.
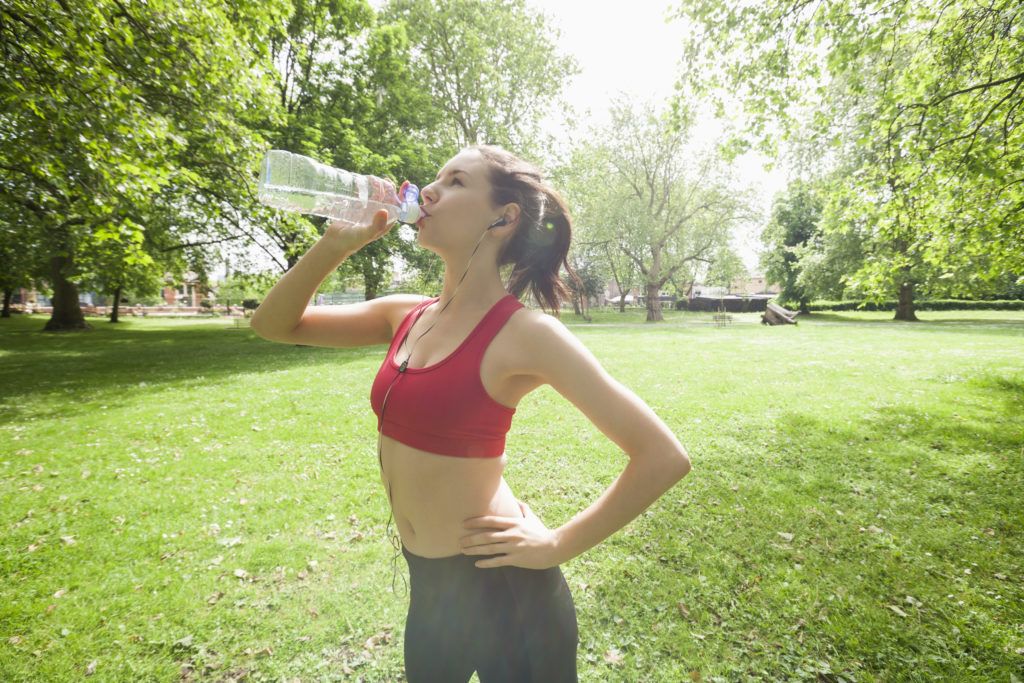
pixel 486 591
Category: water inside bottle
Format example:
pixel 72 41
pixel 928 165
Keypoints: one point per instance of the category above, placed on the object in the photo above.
pixel 300 184
pixel 335 207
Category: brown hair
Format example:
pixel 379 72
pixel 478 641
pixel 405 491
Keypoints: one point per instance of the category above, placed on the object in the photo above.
pixel 538 249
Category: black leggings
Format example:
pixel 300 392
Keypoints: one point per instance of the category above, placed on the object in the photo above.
pixel 505 623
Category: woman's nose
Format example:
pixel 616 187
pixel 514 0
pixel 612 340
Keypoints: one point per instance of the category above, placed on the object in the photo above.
pixel 427 194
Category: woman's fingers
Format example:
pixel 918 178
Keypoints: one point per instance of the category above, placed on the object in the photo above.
pixel 486 538
pixel 490 522
pixel 380 224
pixel 362 235
pixel 493 548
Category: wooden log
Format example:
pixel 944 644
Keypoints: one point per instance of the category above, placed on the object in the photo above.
pixel 777 315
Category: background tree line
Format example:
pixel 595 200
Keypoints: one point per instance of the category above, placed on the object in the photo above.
pixel 903 121
pixel 131 132
pixel 130 135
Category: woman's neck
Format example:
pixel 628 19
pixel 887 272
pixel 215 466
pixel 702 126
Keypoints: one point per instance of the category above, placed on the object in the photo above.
pixel 481 286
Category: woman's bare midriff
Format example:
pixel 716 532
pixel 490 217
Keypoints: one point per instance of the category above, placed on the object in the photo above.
pixel 432 495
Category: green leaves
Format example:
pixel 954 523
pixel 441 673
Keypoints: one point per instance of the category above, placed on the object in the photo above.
pixel 491 68
pixel 661 208
pixel 124 115
pixel 919 103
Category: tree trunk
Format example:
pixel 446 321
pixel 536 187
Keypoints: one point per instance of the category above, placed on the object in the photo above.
pixel 905 303
pixel 8 296
pixel 653 287
pixel 579 306
pixel 67 312
pixel 291 252
pixel 618 284
pixel 117 304
pixel 653 304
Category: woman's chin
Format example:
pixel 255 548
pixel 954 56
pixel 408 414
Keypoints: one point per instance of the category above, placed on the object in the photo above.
pixel 424 242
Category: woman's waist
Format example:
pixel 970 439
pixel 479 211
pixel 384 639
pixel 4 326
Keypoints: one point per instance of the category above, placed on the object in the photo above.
pixel 432 496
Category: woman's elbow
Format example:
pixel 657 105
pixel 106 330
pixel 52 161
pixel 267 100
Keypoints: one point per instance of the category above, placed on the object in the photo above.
pixel 263 326
pixel 258 325
pixel 680 464
pixel 668 465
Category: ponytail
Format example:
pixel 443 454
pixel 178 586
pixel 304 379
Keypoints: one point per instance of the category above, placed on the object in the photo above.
pixel 538 249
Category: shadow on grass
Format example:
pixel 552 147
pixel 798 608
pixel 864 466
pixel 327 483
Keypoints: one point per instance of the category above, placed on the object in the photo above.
pixel 967 439
pixel 894 503
pixel 823 525
pixel 76 366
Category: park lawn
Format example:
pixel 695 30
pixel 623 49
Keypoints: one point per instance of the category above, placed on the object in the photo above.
pixel 180 499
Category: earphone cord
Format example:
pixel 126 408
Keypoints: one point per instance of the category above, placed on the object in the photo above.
pixel 446 305
pixel 392 533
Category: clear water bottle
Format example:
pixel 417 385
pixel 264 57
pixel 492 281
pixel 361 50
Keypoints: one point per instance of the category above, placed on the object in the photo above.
pixel 296 183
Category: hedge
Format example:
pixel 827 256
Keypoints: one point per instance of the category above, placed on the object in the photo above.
pixel 921 305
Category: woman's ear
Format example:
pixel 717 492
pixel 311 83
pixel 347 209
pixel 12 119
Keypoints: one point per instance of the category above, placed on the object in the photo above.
pixel 509 220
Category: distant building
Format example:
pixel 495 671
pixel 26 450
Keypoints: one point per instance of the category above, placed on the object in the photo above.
pixel 746 294
pixel 188 293
pixel 753 284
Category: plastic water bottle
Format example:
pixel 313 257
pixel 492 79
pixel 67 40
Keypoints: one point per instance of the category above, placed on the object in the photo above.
pixel 296 183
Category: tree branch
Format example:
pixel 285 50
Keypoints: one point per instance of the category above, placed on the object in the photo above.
pixel 963 91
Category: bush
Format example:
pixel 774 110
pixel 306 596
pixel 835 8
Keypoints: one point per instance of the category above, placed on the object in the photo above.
pixel 250 304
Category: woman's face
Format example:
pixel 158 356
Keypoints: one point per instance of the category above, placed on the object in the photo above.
pixel 457 206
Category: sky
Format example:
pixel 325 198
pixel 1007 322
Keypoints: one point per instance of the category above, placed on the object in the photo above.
pixel 618 50
pixel 627 47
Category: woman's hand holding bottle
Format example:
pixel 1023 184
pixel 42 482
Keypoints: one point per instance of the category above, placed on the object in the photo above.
pixel 352 238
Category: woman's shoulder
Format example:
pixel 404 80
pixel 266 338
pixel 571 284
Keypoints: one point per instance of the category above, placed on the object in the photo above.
pixel 395 307
pixel 539 345
pixel 535 331
pixel 403 302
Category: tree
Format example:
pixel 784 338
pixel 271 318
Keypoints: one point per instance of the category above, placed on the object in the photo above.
pixel 107 105
pixel 596 213
pixel 395 134
pixel 121 263
pixel 586 262
pixel 724 267
pixel 796 216
pixel 490 67
pixel 369 108
pixel 350 99
pixel 645 193
pixel 18 255
pixel 937 90
pixel 313 54
pixel 824 263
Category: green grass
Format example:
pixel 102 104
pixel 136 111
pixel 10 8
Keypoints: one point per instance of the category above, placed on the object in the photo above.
pixel 179 500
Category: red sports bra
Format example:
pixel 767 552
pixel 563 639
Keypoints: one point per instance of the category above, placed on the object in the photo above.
pixel 444 408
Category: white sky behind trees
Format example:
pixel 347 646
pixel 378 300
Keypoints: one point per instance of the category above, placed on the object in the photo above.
pixel 628 48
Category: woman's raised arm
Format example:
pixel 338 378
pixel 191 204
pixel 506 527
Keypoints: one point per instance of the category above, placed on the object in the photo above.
pixel 285 314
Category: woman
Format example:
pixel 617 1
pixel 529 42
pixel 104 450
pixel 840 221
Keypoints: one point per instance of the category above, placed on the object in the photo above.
pixel 486 591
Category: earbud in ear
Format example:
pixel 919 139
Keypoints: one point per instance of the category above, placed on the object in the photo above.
pixel 500 221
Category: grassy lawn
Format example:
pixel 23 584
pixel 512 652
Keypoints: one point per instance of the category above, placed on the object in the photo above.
pixel 182 500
